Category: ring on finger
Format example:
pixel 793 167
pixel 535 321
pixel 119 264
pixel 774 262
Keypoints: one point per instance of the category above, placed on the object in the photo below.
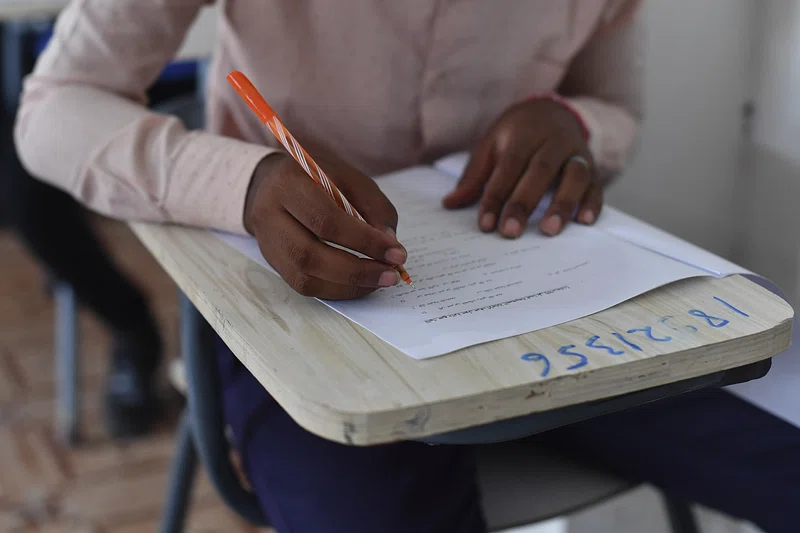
pixel 577 158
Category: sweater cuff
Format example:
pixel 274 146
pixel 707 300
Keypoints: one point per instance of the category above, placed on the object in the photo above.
pixel 612 132
pixel 590 125
pixel 209 178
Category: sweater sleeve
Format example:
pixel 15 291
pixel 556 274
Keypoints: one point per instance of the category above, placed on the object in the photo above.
pixel 83 125
pixel 604 84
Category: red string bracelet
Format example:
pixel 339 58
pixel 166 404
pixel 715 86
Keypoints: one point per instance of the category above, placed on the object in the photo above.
pixel 569 107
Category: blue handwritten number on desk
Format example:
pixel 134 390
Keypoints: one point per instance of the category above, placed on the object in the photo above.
pixel 538 357
pixel 648 331
pixel 565 350
pixel 713 321
pixel 627 342
pixel 663 321
pixel 729 306
pixel 592 343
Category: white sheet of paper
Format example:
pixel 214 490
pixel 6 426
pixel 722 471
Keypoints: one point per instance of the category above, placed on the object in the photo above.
pixel 635 231
pixel 470 288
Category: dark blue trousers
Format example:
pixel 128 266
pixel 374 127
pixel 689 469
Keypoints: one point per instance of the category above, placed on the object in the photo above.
pixel 708 447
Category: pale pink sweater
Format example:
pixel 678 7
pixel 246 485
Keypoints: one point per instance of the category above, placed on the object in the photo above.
pixel 385 83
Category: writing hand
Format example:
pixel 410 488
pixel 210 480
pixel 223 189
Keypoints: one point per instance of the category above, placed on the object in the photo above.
pixel 531 147
pixel 291 217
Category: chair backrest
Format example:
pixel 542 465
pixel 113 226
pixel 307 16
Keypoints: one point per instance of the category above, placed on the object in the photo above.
pixel 204 395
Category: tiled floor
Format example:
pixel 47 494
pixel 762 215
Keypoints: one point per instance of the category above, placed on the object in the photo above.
pixel 100 486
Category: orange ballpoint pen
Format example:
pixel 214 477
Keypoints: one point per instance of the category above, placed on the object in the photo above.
pixel 265 113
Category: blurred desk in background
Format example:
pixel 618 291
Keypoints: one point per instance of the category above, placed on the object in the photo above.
pixel 24 10
pixel 199 42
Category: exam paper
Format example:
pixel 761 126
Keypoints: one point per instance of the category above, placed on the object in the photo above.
pixel 470 287
pixel 633 230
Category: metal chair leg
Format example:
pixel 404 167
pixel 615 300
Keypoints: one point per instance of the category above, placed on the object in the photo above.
pixel 205 407
pixel 181 480
pixel 681 516
pixel 67 341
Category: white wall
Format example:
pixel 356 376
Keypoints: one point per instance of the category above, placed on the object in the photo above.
pixel 776 124
pixel 199 42
pixel 768 242
pixel 697 80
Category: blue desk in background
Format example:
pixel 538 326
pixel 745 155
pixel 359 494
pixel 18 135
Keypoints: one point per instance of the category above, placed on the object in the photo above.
pixel 24 41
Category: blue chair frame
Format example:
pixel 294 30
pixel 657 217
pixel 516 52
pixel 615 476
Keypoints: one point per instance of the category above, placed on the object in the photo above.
pixel 201 432
pixel 20 47
pixel 22 42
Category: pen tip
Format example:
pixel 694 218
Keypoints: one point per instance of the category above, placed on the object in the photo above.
pixel 404 275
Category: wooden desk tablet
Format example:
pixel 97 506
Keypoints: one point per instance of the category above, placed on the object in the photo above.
pixel 341 382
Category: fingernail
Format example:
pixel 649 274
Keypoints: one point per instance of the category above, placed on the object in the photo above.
pixel 552 225
pixel 487 221
pixel 389 278
pixel 587 217
pixel 512 228
pixel 396 256
pixel 391 231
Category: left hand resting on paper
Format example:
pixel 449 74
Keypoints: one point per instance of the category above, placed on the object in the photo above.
pixel 530 148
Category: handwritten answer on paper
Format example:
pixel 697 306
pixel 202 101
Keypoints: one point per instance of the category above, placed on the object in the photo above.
pixel 471 288
pixel 632 339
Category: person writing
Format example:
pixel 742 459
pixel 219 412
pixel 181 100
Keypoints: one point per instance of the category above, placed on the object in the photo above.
pixel 545 95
